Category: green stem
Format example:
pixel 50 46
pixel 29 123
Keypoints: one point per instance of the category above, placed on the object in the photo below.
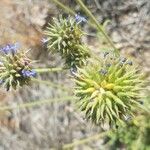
pixel 51 84
pixel 99 27
pixel 67 9
pixel 86 140
pixel 36 103
pixel 43 70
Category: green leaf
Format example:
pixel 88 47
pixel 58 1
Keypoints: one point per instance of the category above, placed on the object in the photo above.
pixel 102 110
pixel 89 106
pixel 98 115
pixel 94 94
pixel 115 98
pixel 109 113
pixel 109 104
pixel 95 104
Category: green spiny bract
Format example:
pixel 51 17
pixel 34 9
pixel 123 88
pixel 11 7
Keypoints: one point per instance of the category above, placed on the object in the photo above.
pixel 64 37
pixel 108 89
pixel 15 70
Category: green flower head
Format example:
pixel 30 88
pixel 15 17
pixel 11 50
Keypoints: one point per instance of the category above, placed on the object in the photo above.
pixel 64 37
pixel 108 89
pixel 15 69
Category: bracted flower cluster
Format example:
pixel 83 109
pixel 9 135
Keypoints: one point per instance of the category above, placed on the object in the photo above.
pixel 108 90
pixel 64 37
pixel 15 69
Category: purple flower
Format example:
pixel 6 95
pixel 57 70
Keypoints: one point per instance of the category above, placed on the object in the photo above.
pixel 44 40
pixel 121 64
pixel 1 81
pixel 130 63
pixel 73 71
pixel 29 73
pixel 127 118
pixel 80 19
pixel 10 48
pixel 103 71
pixel 123 59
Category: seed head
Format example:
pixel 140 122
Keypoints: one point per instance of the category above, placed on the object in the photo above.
pixel 15 68
pixel 64 37
pixel 107 94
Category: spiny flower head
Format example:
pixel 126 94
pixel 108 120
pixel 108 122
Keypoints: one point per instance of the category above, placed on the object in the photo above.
pixel 64 37
pixel 15 69
pixel 108 89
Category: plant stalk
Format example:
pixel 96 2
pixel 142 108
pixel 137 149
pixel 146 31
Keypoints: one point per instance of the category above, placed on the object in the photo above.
pixel 61 5
pixel 51 84
pixel 99 27
pixel 36 103
pixel 43 70
pixel 86 140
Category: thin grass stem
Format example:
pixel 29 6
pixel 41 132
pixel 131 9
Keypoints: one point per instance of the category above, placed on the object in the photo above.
pixel 51 84
pixel 84 141
pixel 44 70
pixel 37 103
pixel 99 27
pixel 65 8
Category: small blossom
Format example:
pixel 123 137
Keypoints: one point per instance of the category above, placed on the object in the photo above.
pixel 127 118
pixel 80 19
pixel 103 71
pixel 121 64
pixel 14 47
pixel 10 48
pixel 130 63
pixel 44 40
pixel 29 73
pixel 123 59
pixel 73 70
pixel 33 73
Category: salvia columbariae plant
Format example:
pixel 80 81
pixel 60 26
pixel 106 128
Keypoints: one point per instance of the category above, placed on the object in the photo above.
pixel 64 37
pixel 109 89
pixel 15 67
